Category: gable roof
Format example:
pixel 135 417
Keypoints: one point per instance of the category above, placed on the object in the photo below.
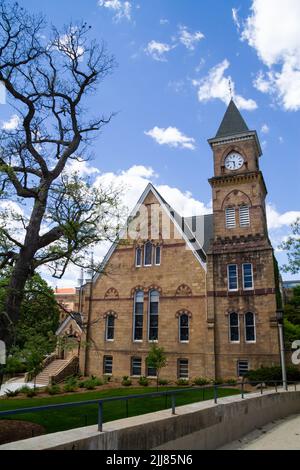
pixel 76 316
pixel 182 224
pixel 232 123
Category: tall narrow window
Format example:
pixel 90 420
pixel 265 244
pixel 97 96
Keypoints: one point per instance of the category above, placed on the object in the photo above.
pixel 230 217
pixel 110 327
pixel 184 327
pixel 247 276
pixel 138 316
pixel 136 366
pixel 138 257
pixel 107 364
pixel 250 333
pixel 153 315
pixel 148 254
pixel 244 215
pixel 157 255
pixel 183 368
pixel 242 368
pixel 234 328
pixel 232 275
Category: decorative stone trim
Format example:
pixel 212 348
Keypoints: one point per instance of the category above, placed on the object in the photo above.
pixel 183 312
pixel 184 291
pixel 111 293
pixel 110 313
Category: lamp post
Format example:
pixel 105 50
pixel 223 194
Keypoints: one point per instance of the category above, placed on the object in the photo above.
pixel 279 317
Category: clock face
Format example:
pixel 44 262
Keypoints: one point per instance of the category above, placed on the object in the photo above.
pixel 234 161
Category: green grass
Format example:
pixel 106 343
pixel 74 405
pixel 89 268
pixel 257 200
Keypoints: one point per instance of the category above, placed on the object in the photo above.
pixel 69 418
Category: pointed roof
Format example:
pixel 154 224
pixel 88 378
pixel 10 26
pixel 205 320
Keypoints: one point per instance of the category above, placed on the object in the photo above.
pixel 232 122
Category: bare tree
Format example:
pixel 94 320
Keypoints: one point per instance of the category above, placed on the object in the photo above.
pixel 47 75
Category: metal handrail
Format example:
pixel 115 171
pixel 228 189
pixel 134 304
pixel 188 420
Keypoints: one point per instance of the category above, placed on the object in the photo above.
pixel 167 393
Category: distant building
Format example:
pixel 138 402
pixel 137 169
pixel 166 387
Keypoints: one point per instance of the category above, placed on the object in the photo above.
pixel 288 288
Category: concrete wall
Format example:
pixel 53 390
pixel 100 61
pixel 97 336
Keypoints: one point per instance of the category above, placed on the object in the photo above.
pixel 201 425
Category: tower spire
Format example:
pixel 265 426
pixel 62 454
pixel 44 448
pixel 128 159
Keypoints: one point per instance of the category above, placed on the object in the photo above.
pixel 232 123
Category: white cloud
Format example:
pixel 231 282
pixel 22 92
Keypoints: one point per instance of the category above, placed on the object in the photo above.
pixel 272 29
pixel 280 139
pixel 265 129
pixel 277 220
pixel 163 21
pixel 188 39
pixel 158 50
pixel 236 17
pixel 12 123
pixel 81 167
pixel 172 137
pixel 121 9
pixel 215 85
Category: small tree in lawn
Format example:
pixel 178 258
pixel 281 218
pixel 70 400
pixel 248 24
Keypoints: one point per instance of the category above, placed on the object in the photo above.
pixel 157 359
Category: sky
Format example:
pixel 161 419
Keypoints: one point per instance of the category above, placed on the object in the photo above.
pixel 170 90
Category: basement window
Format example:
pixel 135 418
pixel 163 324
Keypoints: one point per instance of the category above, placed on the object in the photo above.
pixel 242 368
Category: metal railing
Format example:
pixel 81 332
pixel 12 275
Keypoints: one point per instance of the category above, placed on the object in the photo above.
pixel 172 393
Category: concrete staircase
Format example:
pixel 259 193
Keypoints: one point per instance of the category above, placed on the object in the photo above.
pixel 51 369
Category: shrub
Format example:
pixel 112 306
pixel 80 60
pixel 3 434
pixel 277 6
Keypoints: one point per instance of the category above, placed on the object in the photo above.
pixel 163 382
pixel 126 381
pixel 97 381
pixel 31 393
pixel 71 385
pixel 12 393
pixel 53 390
pixel 81 383
pixel 144 381
pixel 274 373
pixel 201 381
pixel 231 381
pixel 24 389
pixel 89 384
pixel 218 381
pixel 182 382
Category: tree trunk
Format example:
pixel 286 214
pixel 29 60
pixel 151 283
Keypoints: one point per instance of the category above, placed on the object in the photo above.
pixel 23 268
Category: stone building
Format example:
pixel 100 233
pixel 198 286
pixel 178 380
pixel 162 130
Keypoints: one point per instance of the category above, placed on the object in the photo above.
pixel 203 287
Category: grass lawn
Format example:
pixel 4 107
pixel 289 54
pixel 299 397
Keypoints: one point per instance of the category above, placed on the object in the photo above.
pixel 68 418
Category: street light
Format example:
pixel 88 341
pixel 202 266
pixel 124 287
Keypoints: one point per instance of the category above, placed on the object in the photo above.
pixel 279 317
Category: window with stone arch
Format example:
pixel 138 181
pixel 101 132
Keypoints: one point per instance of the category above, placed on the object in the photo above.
pixel 153 315
pixel 110 327
pixel 138 315
pixel 184 327
pixel 250 328
pixel 236 206
pixel 234 327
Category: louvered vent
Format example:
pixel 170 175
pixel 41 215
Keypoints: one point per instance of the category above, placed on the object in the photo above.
pixel 244 216
pixel 230 217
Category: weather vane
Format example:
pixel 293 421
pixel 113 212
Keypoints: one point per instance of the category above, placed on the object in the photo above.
pixel 230 88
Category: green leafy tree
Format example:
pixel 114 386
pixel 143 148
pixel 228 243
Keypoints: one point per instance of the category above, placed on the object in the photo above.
pixel 292 247
pixel 35 330
pixel 157 359
pixel 292 318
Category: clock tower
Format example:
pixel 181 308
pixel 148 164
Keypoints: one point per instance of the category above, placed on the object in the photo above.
pixel 241 285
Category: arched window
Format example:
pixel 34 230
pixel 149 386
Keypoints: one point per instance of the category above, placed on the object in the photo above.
pixel 148 254
pixel 153 315
pixel 234 328
pixel 157 255
pixel 138 316
pixel 183 327
pixel 250 333
pixel 138 257
pixel 110 327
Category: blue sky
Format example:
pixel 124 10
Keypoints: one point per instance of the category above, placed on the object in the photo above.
pixel 171 87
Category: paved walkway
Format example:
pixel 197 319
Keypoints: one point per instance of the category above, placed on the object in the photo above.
pixel 282 434
pixel 12 386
